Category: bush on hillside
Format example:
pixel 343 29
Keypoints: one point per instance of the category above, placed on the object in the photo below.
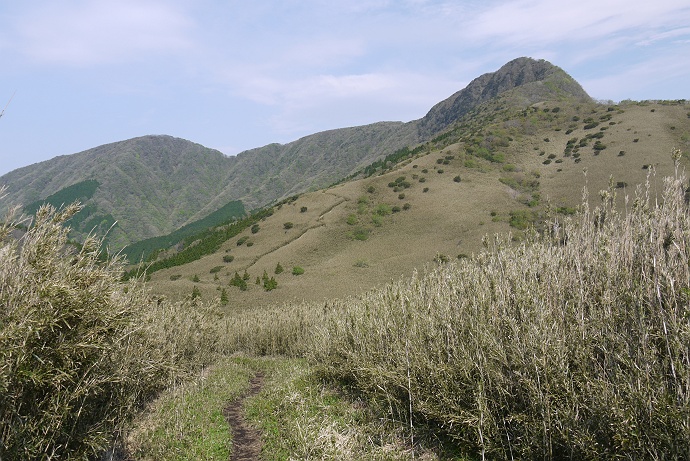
pixel 75 363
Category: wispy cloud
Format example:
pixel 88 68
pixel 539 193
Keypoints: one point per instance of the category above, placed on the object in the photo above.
pixel 87 33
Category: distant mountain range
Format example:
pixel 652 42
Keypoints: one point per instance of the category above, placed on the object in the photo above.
pixel 153 185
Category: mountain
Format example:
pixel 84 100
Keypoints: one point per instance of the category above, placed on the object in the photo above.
pixel 148 185
pixel 153 185
pixel 498 170
pixel 530 80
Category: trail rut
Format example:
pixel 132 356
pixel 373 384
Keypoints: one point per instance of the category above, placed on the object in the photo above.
pixel 246 440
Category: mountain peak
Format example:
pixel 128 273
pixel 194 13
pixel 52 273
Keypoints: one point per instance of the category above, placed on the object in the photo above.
pixel 532 80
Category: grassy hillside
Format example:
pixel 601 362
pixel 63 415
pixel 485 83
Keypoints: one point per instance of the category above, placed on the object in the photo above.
pixel 497 170
pixel 153 185
pixel 568 344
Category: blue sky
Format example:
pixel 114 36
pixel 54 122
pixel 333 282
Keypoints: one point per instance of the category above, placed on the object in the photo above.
pixel 233 75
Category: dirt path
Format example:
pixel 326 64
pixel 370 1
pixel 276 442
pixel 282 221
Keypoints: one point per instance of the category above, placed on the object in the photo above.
pixel 246 441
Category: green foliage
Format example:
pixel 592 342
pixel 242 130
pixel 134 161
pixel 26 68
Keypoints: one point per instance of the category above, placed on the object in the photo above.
pixel 255 228
pixel 279 269
pixel 297 270
pixel 224 300
pixel 520 219
pixel 228 258
pixel 81 191
pixel 457 179
pixel 206 242
pixel 216 269
pixel 188 233
pixel 361 233
pixel 270 284
pixel 352 219
pixel 195 278
pixel 303 209
pixel 196 293
pixel 566 210
pixel 391 159
pixel 238 282
pixel 242 240
pixel 288 225
pixel 382 209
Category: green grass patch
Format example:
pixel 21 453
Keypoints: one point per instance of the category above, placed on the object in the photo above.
pixel 187 423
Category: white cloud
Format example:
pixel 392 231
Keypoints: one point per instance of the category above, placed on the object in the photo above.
pixel 86 33
pixel 529 22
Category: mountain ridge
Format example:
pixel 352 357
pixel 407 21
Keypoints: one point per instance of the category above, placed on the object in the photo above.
pixel 155 184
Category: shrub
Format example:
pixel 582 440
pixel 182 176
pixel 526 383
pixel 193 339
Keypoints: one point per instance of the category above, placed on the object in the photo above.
pixel 216 269
pixel 288 225
pixel 407 206
pixel 76 356
pixel 195 278
pixel 228 258
pixel 241 240
pixel 255 228
pixel 352 219
pixel 395 209
pixel 279 269
pixel 457 179
pixel 401 196
pixel 426 189
pixel 297 270
pixel 520 219
pixel 382 209
pixel 239 282
pixel 361 233
pixel 303 209
pixel 599 146
pixel 175 277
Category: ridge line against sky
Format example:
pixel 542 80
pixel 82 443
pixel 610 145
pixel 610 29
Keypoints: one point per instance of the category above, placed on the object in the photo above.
pixel 238 75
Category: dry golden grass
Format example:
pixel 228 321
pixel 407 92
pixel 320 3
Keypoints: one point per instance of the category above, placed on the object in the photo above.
pixel 450 219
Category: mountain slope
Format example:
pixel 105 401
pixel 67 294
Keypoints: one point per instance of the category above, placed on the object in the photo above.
pixel 538 81
pixel 149 185
pixel 440 203
pixel 155 184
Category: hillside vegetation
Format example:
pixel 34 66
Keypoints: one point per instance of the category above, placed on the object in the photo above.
pixel 506 278
pixel 152 185
pixel 498 169
pixel 572 343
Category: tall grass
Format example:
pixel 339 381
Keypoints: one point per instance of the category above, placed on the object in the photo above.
pixel 574 344
pixel 79 350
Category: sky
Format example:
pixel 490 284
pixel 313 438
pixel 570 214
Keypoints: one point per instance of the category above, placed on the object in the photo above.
pixel 234 75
